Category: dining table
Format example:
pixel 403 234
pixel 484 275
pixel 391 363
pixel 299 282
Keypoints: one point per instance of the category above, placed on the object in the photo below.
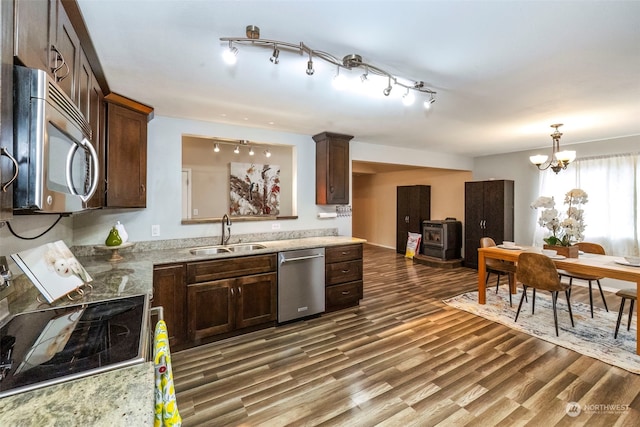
pixel 587 264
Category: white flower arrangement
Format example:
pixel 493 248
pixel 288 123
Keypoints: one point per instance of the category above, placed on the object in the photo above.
pixel 569 230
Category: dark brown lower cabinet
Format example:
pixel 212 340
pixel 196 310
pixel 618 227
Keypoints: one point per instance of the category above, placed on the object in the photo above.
pixel 169 291
pixel 227 295
pixel 343 277
pixel 225 305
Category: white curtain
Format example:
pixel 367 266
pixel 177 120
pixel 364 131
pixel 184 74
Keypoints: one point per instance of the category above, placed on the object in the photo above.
pixel 611 215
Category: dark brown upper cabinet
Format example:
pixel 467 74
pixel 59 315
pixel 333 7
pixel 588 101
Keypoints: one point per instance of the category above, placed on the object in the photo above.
pixel 32 31
pixel 126 149
pixel 332 168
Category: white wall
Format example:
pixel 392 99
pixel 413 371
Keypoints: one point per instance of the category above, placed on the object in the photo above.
pixel 164 188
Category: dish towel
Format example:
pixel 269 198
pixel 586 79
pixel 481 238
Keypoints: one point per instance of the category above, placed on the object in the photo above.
pixel 166 407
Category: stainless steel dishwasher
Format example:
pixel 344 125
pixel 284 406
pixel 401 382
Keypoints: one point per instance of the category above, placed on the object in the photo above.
pixel 300 283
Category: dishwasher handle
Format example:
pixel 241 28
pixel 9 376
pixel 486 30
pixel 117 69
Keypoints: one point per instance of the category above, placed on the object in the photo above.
pixel 300 258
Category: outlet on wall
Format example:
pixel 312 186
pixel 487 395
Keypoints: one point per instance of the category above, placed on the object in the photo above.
pixel 275 226
pixel 195 212
pixel 155 230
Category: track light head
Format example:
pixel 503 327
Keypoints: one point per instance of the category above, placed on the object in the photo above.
pixel 216 147
pixel 428 102
pixel 267 153
pixel 274 56
pixel 408 98
pixel 251 152
pixel 310 69
pixel 236 150
pixel 230 55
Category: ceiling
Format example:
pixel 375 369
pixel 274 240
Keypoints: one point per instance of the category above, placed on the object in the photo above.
pixel 504 71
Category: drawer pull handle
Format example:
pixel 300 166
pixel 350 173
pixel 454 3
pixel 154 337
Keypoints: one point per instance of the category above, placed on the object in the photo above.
pixel 345 253
pixel 346 292
pixel 345 271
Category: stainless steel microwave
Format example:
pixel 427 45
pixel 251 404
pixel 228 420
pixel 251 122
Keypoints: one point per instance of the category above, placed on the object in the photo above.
pixel 57 164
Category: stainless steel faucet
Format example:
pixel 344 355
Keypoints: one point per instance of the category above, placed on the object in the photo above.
pixel 225 221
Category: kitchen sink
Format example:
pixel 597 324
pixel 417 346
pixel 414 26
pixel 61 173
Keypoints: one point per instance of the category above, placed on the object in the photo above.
pixel 209 250
pixel 245 247
pixel 240 247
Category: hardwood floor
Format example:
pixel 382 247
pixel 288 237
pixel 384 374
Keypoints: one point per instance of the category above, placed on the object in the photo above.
pixel 403 358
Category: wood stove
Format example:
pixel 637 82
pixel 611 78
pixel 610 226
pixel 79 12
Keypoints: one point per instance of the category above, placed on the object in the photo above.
pixel 442 239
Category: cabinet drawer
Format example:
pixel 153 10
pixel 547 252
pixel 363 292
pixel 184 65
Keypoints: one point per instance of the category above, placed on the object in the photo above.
pixel 343 253
pixel 342 272
pixel 342 296
pixel 203 271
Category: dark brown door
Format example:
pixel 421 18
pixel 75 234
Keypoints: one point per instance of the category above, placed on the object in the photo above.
pixel 210 308
pixel 126 157
pixel 332 168
pixel 96 118
pixel 67 44
pixel 256 299
pixel 413 206
pixel 32 33
pixel 7 166
pixel 169 291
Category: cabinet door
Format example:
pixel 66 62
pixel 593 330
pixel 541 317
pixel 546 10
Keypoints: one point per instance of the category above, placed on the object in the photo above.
pixel 126 158
pixel 473 221
pixel 256 299
pixel 210 308
pixel 84 83
pixel 96 121
pixel 402 218
pixel 332 168
pixel 7 167
pixel 413 207
pixel 169 291
pixel 498 210
pixel 32 24
pixel 67 43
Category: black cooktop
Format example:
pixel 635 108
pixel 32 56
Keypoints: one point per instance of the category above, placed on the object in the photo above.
pixel 53 345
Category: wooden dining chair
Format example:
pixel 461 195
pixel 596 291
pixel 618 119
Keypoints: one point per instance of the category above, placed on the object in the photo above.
pixel 625 294
pixel 498 267
pixel 537 271
pixel 589 248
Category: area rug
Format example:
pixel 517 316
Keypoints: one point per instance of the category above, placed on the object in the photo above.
pixel 590 337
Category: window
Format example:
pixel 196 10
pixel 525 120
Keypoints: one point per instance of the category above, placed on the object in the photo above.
pixel 611 215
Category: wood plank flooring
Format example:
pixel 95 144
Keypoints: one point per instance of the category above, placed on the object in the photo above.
pixel 403 358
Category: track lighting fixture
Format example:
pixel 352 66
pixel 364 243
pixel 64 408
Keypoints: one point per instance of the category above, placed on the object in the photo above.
pixel 348 62
pixel 237 143
pixel 559 159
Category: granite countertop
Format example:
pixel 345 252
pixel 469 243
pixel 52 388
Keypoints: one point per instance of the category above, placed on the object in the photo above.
pixel 123 396
pixel 133 275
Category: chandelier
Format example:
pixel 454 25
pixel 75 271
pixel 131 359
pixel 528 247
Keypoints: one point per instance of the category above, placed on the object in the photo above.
pixel 348 62
pixel 559 159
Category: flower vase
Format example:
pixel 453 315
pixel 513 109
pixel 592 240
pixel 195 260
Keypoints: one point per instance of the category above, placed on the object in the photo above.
pixel 567 251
